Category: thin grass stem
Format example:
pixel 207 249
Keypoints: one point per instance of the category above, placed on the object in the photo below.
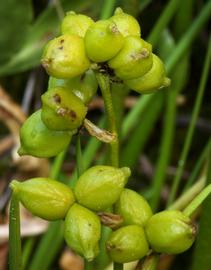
pixel 15 259
pixel 190 132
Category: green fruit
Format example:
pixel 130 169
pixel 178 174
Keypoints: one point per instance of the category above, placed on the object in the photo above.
pixel 133 60
pixel 133 208
pixel 127 244
pixel 39 141
pixel 126 24
pixel 170 232
pixel 62 110
pixel 103 41
pixel 75 24
pixel 83 86
pixel 100 186
pixel 44 197
pixel 64 57
pixel 152 81
pixel 82 231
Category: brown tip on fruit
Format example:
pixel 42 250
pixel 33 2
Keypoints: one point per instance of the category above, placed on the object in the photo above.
pixel 166 82
pixel 194 229
pixel 46 62
pixel 21 151
pixel 118 10
pixel 126 171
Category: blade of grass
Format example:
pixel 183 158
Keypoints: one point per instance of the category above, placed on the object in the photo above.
pixel 163 21
pixel 189 36
pixel 15 261
pixel 189 136
pixel 107 9
pixel 178 80
pixel 132 118
pixel 202 258
pixel 198 165
pixel 139 137
pixel 27 250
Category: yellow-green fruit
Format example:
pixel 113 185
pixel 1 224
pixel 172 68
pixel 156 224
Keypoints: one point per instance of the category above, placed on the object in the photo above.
pixel 39 141
pixel 152 81
pixel 103 41
pixel 126 24
pixel 170 232
pixel 64 57
pixel 44 197
pixel 127 244
pixel 62 110
pixel 133 60
pixel 76 24
pixel 100 186
pixel 83 86
pixel 82 231
pixel 133 208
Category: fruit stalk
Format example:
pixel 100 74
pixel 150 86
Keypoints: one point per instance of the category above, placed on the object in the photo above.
pixel 103 81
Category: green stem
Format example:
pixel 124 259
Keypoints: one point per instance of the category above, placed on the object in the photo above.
pixel 189 195
pixel 103 81
pixel 197 201
pixel 198 165
pixel 188 37
pixel 149 263
pixel 15 261
pixel 79 159
pixel 188 139
pixel 118 266
pixel 107 9
pixel 163 21
pixel 27 250
pixel 56 167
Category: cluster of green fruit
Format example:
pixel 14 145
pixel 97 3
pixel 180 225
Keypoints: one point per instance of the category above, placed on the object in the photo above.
pixel 85 47
pixel 98 189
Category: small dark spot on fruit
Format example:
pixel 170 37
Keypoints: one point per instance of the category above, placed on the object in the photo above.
pixel 62 41
pixel 72 114
pixel 57 98
pixel 61 48
pixel 82 77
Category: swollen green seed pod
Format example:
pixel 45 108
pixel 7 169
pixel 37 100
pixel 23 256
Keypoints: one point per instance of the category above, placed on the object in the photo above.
pixel 103 41
pixel 126 24
pixel 133 60
pixel 44 197
pixel 62 110
pixel 82 231
pixel 100 186
pixel 133 208
pixel 76 24
pixel 170 232
pixel 83 86
pixel 127 244
pixel 152 81
pixel 64 57
pixel 39 141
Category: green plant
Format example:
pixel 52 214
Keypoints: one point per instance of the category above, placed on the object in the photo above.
pixel 94 193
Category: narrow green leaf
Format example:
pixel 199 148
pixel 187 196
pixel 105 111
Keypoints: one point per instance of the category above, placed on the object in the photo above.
pixel 202 258
pixel 15 261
